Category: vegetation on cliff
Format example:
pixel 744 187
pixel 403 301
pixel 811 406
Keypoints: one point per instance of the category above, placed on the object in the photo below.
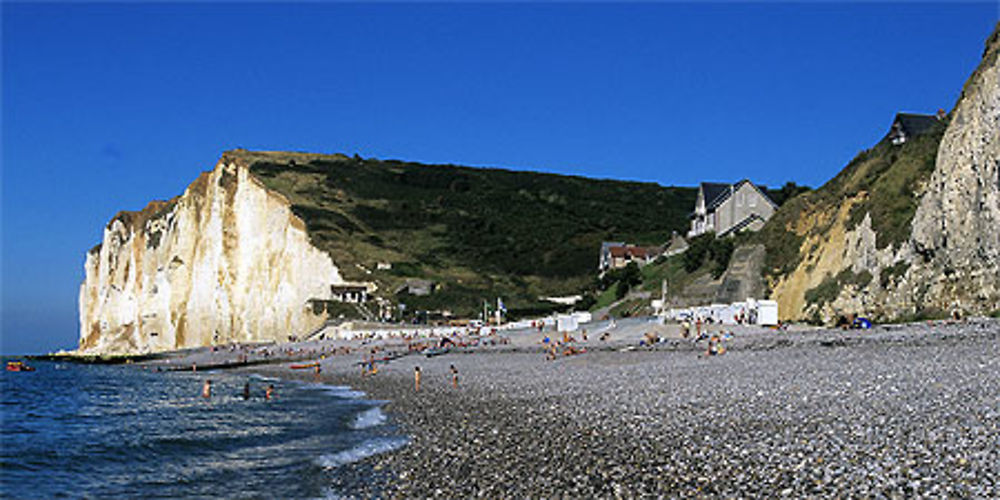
pixel 883 182
pixel 479 233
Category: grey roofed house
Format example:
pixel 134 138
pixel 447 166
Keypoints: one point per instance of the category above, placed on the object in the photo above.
pixel 907 125
pixel 713 192
pixel 729 208
pixel 676 246
pixel 416 286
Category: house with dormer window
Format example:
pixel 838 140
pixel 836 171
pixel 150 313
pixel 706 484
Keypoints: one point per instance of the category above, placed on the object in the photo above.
pixel 730 208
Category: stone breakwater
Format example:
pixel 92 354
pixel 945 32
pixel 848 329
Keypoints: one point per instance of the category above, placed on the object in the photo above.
pixel 227 261
pixel 897 411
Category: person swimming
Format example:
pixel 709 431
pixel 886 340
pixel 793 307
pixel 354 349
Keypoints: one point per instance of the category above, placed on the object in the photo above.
pixel 206 390
pixel 454 376
pixel 269 392
pixel 416 378
pixel 246 391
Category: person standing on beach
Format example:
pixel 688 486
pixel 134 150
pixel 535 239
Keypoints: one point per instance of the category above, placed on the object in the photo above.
pixel 454 376
pixel 416 378
pixel 206 390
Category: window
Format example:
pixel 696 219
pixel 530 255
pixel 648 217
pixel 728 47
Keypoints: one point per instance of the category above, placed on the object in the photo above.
pixel 753 201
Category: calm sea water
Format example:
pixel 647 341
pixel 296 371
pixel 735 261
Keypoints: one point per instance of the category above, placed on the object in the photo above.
pixel 121 432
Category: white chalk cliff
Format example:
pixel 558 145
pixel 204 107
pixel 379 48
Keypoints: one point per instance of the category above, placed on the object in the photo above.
pixel 956 230
pixel 227 261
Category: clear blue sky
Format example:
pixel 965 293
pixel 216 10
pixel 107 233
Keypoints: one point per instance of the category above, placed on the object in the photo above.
pixel 106 106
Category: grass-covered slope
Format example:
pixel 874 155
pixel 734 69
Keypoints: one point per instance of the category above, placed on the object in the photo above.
pixel 480 233
pixel 804 237
pixel 882 181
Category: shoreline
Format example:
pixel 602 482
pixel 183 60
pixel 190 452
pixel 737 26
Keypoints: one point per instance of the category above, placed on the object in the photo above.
pixel 896 410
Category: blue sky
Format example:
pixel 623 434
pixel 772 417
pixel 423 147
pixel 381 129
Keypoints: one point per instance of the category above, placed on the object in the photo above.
pixel 107 106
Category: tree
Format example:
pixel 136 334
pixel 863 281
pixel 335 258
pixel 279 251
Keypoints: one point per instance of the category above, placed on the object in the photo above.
pixel 720 252
pixel 627 278
pixel 697 250
pixel 787 192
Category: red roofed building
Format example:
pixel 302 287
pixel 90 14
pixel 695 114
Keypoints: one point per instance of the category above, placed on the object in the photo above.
pixel 617 255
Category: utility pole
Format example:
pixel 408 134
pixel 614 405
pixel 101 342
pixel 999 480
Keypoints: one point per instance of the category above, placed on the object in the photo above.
pixel 663 295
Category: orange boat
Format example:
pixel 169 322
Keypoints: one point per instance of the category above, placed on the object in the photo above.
pixel 18 366
pixel 304 366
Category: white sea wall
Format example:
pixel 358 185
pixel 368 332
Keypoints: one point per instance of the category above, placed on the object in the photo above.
pixel 226 261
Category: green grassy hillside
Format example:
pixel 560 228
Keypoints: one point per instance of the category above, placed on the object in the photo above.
pixel 883 180
pixel 480 233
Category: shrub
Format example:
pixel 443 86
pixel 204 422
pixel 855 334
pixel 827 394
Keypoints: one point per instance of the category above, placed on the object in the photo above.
pixel 826 291
pixel 697 250
pixel 829 288
pixel 720 252
pixel 892 273
pixel 707 249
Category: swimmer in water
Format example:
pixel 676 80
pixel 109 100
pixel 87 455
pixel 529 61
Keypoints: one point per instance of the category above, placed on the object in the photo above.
pixel 416 378
pixel 206 390
pixel 269 392
pixel 454 376
pixel 246 391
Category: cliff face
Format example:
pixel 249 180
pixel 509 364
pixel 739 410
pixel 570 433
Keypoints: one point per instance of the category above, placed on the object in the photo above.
pixel 904 231
pixel 225 261
pixel 240 254
pixel 956 230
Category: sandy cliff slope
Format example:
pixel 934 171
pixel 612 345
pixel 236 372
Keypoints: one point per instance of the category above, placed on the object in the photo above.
pixel 904 231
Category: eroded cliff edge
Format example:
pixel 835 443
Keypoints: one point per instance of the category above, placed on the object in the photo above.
pixel 225 261
pixel 956 229
pixel 904 231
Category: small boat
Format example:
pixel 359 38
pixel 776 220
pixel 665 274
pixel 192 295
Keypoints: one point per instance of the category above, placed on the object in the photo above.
pixel 18 366
pixel 303 366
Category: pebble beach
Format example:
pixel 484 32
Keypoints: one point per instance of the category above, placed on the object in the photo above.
pixel 897 411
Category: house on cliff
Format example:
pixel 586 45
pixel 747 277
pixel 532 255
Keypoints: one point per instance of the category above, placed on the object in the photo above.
pixel 351 292
pixel 907 125
pixel 730 208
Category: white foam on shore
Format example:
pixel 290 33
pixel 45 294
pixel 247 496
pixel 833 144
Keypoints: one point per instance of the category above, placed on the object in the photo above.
pixel 255 376
pixel 364 450
pixel 340 391
pixel 371 417
pixel 344 392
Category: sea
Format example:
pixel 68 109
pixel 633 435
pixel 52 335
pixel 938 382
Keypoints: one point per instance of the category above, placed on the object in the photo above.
pixel 119 431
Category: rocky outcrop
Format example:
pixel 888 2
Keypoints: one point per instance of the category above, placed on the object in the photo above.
pixel 934 248
pixel 956 230
pixel 225 261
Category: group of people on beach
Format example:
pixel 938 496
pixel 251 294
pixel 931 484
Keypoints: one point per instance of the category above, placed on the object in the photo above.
pixel 565 347
pixel 716 345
